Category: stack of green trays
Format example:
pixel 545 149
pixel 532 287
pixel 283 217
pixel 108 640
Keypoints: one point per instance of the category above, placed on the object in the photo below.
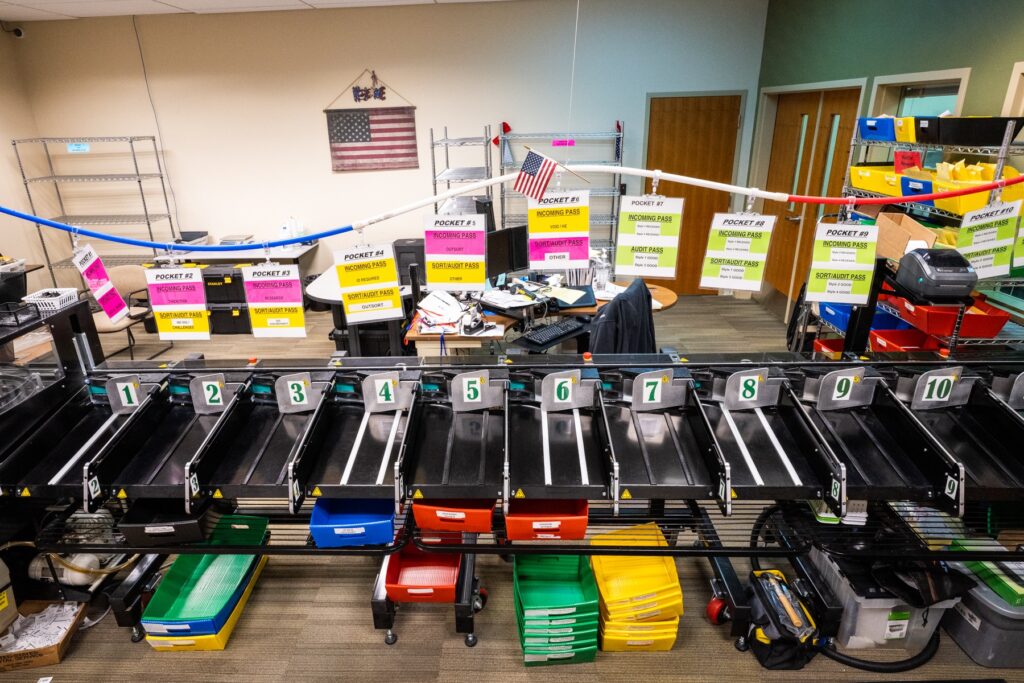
pixel 556 609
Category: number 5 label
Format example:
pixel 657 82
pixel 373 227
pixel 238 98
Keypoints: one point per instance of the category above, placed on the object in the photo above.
pixel 472 390
pixel 652 391
pixel 749 388
pixel 843 388
pixel 563 390
pixel 385 391
pixel 214 393
pixel 129 393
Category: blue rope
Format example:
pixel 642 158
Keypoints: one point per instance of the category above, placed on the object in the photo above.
pixel 170 246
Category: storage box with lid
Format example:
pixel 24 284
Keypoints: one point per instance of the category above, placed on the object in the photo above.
pixel 229 319
pixel 873 617
pixel 223 283
pixel 987 629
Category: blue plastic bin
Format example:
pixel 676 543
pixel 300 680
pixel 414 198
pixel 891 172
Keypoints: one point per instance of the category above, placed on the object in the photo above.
pixel 877 129
pixel 838 315
pixel 338 522
pixel 912 186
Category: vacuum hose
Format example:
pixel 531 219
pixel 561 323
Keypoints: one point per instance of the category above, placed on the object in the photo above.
pixel 917 660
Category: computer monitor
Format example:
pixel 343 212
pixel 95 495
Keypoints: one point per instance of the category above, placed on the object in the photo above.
pixel 520 247
pixel 485 207
pixel 507 251
pixel 408 251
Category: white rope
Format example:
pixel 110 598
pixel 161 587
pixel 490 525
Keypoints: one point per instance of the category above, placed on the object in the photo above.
pixel 572 78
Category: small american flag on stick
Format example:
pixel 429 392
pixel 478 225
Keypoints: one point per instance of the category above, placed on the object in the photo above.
pixel 535 175
pixel 372 139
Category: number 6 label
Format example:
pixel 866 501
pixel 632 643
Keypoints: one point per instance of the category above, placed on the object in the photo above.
pixel 749 388
pixel 471 390
pixel 563 390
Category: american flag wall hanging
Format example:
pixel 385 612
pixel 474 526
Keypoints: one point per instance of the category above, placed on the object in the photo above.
pixel 372 139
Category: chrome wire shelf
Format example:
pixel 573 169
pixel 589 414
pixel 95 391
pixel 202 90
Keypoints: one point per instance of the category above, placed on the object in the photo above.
pixel 61 141
pixel 991 150
pixel 917 206
pixel 462 174
pixel 460 142
pixel 95 178
pixel 112 219
pixel 460 205
pixel 609 135
pixel 109 261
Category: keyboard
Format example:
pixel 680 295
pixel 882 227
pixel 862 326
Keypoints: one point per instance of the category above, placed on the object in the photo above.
pixel 548 334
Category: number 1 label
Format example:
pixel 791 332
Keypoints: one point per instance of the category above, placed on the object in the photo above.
pixel 214 393
pixel 471 390
pixel 652 391
pixel 297 393
pixel 938 388
pixel 749 388
pixel 129 394
pixel 843 389
pixel 385 391
pixel 563 390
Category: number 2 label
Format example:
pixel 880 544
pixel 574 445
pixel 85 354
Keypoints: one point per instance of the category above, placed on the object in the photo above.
pixel 938 388
pixel 843 388
pixel 652 391
pixel 214 393
pixel 129 393
pixel 563 390
pixel 749 387
pixel 385 391
pixel 471 390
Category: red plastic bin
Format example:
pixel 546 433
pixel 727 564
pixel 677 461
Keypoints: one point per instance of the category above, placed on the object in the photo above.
pixel 531 520
pixel 417 576
pixel 893 341
pixel 829 346
pixel 982 320
pixel 454 515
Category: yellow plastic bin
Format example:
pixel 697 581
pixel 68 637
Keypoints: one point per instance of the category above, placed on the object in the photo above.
pixel 882 179
pixel 905 129
pixel 645 611
pixel 614 640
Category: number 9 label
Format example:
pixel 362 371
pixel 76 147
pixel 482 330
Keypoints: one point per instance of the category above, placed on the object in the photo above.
pixel 843 388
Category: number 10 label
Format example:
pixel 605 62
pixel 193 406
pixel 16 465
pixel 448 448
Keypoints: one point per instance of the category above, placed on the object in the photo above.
pixel 938 388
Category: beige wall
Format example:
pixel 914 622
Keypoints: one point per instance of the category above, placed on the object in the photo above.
pixel 17 238
pixel 240 96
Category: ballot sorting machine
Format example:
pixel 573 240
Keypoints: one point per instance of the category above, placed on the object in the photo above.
pixel 708 448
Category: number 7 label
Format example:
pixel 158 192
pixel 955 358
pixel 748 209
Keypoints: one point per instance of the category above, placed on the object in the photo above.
pixel 652 390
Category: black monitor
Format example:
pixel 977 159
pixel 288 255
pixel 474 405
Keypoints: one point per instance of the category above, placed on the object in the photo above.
pixel 485 207
pixel 507 251
pixel 520 247
pixel 408 251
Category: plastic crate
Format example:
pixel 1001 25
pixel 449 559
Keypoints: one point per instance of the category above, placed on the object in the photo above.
pixel 977 131
pixel 215 641
pixel 926 128
pixel 653 611
pixel 638 627
pixel 838 315
pixel 987 629
pixel 474 516
pixel 881 178
pixel 905 129
pixel 578 638
pixel 913 186
pixel 547 566
pixel 878 621
pixel 339 522
pixel 882 129
pixel 223 284
pixel 546 519
pixel 229 319
pixel 540 658
pixel 982 320
pixel 896 341
pixel 414 575
pixel 655 641
pixel 547 597
pixel 53 299
pixel 831 347
pixel 557 624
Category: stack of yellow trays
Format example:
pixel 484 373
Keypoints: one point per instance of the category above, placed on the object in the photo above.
pixel 641 600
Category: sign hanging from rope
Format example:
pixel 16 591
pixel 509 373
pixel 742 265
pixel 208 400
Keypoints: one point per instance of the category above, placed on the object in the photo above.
pixel 376 131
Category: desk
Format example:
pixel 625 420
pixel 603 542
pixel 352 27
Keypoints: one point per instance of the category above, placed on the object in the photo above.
pixel 430 344
pixel 664 296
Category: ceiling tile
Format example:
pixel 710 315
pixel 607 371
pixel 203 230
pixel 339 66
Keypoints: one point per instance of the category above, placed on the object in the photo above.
pixel 110 8
pixel 365 3
pixel 279 7
pixel 10 12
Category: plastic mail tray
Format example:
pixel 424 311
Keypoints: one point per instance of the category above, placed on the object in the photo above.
pixel 472 516
pixel 162 522
pixel 417 576
pixel 338 522
pixel 546 519
pixel 877 128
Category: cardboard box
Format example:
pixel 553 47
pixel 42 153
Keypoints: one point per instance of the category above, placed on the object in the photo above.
pixel 896 230
pixel 43 656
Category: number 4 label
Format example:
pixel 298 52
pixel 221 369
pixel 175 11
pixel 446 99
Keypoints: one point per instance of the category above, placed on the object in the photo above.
pixel 563 390
pixel 472 390
pixel 385 390
pixel 749 388
pixel 129 393
pixel 214 393
pixel 652 390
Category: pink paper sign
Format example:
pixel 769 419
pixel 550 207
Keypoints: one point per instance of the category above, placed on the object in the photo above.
pixel 577 248
pixel 455 243
pixel 273 291
pixel 112 304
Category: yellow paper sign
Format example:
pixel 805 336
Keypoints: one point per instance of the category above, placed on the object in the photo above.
pixel 369 283
pixel 183 324
pixel 277 321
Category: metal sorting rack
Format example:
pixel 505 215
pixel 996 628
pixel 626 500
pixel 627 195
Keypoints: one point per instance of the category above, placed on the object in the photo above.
pixel 449 174
pixel 699 448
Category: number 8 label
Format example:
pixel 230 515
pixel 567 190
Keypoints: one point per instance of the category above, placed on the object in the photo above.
pixel 749 388
pixel 471 390
pixel 563 390
pixel 843 389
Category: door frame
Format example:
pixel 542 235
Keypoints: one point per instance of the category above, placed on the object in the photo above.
pixel 737 156
pixel 761 152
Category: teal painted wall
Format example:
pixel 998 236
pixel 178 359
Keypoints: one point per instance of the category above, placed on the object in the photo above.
pixel 822 40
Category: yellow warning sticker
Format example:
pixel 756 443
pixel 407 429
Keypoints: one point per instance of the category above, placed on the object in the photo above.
pixel 121 494
pixel 733 492
pixel 317 492
pixel 626 495
pixel 4 601
pixel 417 494
pixel 520 494
pixel 218 494
pixel 25 493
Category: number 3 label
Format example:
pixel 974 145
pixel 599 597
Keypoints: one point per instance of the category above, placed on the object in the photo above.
pixel 652 391
pixel 385 391
pixel 297 393
pixel 843 388
pixel 129 393
pixel 563 390
pixel 749 388
pixel 471 390
pixel 214 393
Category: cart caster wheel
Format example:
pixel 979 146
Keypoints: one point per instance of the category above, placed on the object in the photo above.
pixel 717 611
pixel 480 600
pixel 390 638
pixel 471 640
pixel 741 644
pixel 137 633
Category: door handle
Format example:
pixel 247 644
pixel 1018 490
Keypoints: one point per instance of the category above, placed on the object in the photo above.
pixel 793 219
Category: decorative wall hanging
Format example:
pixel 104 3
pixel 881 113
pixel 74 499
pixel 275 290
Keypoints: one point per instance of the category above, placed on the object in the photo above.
pixel 371 135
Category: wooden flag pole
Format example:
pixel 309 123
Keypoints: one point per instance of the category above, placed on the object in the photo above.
pixel 530 149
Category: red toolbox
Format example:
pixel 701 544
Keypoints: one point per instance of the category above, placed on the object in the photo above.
pixel 893 341
pixel 454 515
pixel 982 320
pixel 417 576
pixel 529 520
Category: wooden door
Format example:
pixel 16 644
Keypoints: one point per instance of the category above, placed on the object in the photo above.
pixel 693 136
pixel 809 153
